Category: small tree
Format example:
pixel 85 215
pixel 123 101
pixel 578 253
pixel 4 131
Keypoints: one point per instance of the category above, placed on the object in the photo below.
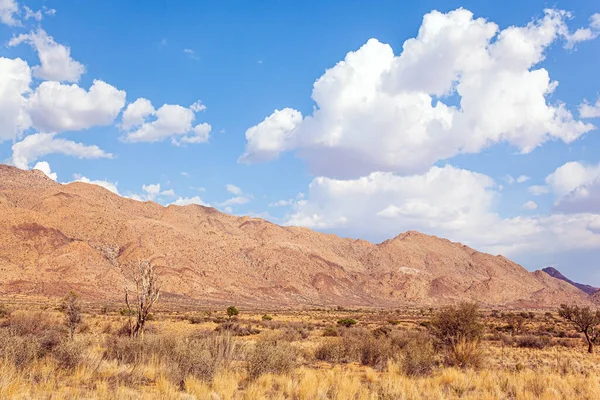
pixel 147 291
pixel 72 309
pixel 347 322
pixel 232 311
pixel 585 321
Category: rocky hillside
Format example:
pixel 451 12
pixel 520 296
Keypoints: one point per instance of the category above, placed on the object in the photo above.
pixel 54 238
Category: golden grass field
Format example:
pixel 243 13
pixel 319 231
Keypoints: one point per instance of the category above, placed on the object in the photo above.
pixel 383 356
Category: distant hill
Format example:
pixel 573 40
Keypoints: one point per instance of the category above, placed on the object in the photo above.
pixel 553 272
pixel 82 237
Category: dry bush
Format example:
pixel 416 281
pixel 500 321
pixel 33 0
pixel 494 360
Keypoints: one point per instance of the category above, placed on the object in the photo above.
pixel 418 355
pixel 331 350
pixel 331 331
pixel 236 329
pixel 533 342
pixel 69 354
pixel 35 324
pixel 457 323
pixel 18 350
pixel 271 356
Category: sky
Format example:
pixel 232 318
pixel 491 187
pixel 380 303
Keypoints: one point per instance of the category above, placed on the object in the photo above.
pixel 474 121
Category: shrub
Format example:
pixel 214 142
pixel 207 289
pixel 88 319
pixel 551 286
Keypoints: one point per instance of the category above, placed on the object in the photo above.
pixel 331 331
pixel 418 356
pixel 533 342
pixel 267 318
pixel 454 324
pixel 332 351
pixel 69 354
pixel 271 356
pixel 236 329
pixel 18 350
pixel 232 311
pixel 4 312
pixel 347 322
pixel 25 323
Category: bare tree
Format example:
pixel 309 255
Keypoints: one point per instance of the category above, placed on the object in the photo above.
pixel 72 309
pixel 585 321
pixel 147 291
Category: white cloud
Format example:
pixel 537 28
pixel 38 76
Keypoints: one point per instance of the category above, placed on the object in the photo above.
pixel 45 168
pixel 570 176
pixel 282 203
pixel 169 121
pixel 576 187
pixel 237 200
pixel 184 201
pixel 38 145
pixel 36 15
pixel 191 53
pixel 530 205
pixel 587 110
pixel 136 113
pixel 595 21
pixel 15 78
pixel 55 107
pixel 111 186
pixel 151 192
pixel 55 59
pixel 8 11
pixel 523 178
pixel 448 202
pixel 197 106
pixel 288 202
pixel 379 112
pixel 233 189
pixel 538 190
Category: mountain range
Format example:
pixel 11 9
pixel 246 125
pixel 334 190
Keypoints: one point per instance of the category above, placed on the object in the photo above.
pixel 60 237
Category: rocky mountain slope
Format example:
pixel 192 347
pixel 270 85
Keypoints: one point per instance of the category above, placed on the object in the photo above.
pixel 558 275
pixel 54 238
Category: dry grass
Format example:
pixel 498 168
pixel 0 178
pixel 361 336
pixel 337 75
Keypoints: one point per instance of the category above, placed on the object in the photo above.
pixel 289 359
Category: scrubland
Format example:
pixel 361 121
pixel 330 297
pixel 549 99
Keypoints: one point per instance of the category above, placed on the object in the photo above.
pixel 309 354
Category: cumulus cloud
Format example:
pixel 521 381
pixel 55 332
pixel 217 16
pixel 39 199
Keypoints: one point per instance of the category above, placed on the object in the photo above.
pixel 184 201
pixel 523 178
pixel 8 12
pixel 587 110
pixel 538 190
pixel 15 78
pixel 530 205
pixel 111 186
pixel 54 107
pixel 383 204
pixel 37 145
pixel 143 123
pixel 56 63
pixel 45 168
pixel 379 112
pixel 151 192
pixel 576 187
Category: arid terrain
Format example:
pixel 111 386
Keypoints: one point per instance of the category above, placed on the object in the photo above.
pixel 55 238
pixel 273 354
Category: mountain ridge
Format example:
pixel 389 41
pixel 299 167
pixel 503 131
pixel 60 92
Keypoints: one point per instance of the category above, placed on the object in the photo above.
pixel 553 272
pixel 77 236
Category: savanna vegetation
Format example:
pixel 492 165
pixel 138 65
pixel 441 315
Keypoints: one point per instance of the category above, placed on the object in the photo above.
pixel 74 349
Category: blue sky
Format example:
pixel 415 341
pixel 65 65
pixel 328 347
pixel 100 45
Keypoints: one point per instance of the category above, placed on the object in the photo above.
pixel 433 136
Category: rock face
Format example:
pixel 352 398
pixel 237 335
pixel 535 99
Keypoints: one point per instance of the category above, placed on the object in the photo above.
pixel 558 275
pixel 55 238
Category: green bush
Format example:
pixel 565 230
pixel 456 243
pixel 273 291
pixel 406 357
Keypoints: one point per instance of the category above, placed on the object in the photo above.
pixel 347 322
pixel 267 318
